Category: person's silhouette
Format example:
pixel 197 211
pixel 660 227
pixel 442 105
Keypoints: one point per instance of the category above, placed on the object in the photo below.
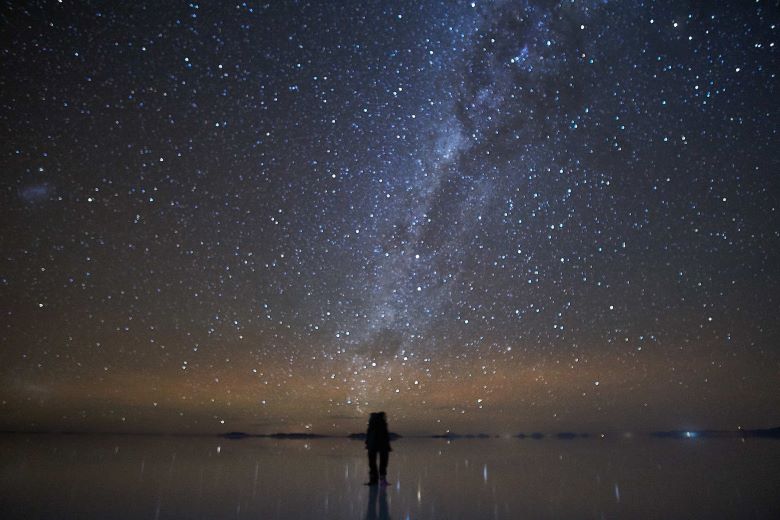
pixel 377 443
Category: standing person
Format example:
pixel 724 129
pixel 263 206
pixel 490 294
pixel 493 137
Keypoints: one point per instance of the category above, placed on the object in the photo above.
pixel 377 443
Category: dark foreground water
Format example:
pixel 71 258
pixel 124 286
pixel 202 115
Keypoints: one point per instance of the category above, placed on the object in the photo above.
pixel 85 477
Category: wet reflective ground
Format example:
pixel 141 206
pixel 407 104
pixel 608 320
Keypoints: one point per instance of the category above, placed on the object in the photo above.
pixel 85 477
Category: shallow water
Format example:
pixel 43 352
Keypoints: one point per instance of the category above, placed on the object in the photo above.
pixel 86 476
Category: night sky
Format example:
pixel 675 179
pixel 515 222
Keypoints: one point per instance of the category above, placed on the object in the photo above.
pixel 475 216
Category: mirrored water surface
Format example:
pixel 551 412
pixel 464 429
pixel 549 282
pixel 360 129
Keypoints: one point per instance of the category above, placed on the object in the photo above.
pixel 91 476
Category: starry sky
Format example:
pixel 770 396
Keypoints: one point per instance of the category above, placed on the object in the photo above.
pixel 476 216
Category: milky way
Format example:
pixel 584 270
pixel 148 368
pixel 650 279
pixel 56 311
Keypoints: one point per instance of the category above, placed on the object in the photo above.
pixel 476 216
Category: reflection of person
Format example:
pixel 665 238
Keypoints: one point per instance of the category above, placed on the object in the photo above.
pixel 377 504
pixel 377 443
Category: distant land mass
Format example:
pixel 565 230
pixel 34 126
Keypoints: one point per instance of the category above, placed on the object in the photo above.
pixel 295 435
pixel 362 436
pixel 770 433
pixel 773 433
pixel 299 435
pixel 450 435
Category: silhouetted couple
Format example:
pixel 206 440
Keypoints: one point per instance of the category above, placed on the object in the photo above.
pixel 377 444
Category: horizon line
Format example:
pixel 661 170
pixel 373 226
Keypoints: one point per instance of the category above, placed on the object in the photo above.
pixel 237 433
